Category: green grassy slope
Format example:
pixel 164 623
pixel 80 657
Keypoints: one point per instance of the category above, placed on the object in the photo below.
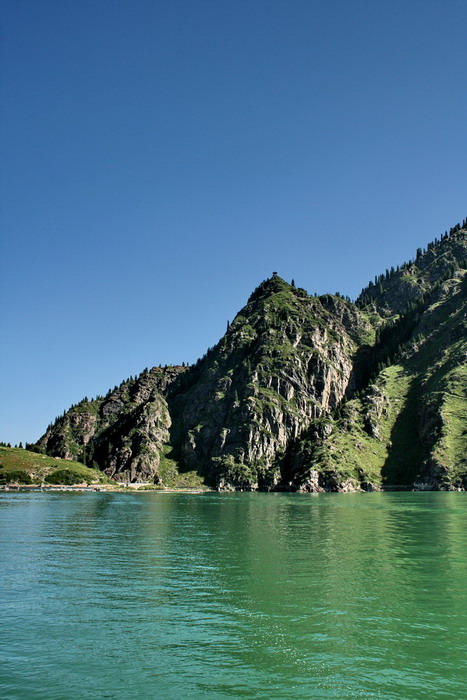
pixel 372 439
pixel 410 425
pixel 171 473
pixel 25 467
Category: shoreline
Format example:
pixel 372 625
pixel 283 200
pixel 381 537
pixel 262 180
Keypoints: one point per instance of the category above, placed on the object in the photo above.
pixel 143 488
pixel 101 488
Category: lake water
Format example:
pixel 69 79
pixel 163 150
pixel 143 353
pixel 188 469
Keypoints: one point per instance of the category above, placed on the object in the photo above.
pixel 241 595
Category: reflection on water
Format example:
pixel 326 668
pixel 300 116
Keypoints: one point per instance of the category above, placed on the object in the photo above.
pixel 156 595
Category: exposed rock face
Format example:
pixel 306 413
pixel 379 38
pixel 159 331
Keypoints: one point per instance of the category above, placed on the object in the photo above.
pixel 375 406
pixel 286 360
pixel 410 425
pixel 304 393
pixel 122 433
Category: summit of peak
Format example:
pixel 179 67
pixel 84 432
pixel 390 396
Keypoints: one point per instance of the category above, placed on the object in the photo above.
pixel 269 286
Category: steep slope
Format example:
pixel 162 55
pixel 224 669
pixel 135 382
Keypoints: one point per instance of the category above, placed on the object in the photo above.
pixel 286 359
pixel 440 366
pixel 122 433
pixel 410 424
pixel 396 290
pixel 303 392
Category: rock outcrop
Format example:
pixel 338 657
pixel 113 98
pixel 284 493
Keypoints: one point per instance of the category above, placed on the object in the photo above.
pixel 304 393
pixel 286 360
pixel 122 433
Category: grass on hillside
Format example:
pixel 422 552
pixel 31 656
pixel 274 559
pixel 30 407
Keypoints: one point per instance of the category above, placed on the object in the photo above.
pixel 392 456
pixel 25 467
pixel 173 478
pixel 451 448
pixel 443 370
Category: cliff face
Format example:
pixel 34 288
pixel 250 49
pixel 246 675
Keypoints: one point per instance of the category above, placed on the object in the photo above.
pixel 286 359
pixel 122 433
pixel 408 425
pixel 311 393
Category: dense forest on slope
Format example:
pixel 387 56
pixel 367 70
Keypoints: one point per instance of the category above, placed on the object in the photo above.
pixel 302 392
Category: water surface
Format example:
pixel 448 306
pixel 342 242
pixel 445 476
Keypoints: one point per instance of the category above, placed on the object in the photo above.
pixel 154 595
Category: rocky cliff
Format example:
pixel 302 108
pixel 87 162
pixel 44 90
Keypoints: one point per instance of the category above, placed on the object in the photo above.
pixel 407 424
pixel 310 393
pixel 122 433
pixel 286 359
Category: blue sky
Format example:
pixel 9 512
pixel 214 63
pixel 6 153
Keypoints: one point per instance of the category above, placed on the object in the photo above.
pixel 162 158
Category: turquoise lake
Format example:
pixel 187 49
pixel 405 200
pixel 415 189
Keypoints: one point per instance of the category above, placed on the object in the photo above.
pixel 242 595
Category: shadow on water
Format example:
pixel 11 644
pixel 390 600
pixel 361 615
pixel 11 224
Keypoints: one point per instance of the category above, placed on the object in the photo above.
pixel 403 462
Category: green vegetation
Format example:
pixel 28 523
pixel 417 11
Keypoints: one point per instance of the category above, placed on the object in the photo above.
pixel 375 440
pixel 25 467
pixel 301 391
pixel 77 474
pixel 171 477
pixel 371 438
pixel 236 474
pixel 14 476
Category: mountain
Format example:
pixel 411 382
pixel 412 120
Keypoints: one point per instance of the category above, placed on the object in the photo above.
pixel 124 433
pixel 303 393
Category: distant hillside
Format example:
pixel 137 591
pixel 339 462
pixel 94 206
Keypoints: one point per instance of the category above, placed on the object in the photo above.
pixel 397 289
pixel 303 392
pixel 25 467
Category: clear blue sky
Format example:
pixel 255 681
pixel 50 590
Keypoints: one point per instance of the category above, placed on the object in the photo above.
pixel 162 158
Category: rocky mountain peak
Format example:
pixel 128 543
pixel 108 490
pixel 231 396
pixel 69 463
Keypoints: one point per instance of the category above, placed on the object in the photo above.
pixel 303 392
pixel 268 287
